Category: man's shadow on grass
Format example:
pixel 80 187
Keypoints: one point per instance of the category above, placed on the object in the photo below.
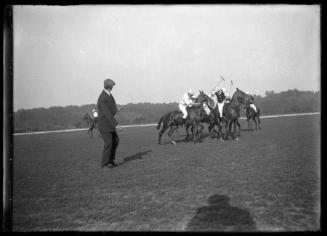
pixel 219 215
pixel 134 157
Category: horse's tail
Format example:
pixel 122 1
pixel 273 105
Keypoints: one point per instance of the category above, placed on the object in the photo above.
pixel 160 121
pixel 168 118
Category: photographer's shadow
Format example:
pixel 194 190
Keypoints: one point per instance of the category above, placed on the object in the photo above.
pixel 220 216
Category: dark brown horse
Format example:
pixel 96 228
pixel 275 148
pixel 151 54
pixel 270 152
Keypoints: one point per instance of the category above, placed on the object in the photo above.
pixel 231 114
pixel 174 119
pixel 252 116
pixel 210 117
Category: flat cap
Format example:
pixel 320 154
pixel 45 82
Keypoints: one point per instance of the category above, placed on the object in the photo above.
pixel 109 82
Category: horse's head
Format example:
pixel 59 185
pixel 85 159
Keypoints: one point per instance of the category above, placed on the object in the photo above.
pixel 203 97
pixel 241 96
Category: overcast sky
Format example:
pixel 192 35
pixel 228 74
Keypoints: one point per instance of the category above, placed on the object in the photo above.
pixel 155 53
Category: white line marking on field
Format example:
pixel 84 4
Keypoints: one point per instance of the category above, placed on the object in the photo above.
pixel 144 125
pixel 298 114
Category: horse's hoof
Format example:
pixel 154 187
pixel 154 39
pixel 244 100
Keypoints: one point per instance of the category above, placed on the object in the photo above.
pixel 173 142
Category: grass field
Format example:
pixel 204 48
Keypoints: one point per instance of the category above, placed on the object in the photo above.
pixel 269 180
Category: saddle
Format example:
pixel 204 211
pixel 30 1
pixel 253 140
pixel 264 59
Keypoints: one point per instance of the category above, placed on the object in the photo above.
pixel 195 106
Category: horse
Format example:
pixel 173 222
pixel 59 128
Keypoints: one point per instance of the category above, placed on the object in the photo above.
pixel 252 115
pixel 174 119
pixel 91 123
pixel 210 117
pixel 231 114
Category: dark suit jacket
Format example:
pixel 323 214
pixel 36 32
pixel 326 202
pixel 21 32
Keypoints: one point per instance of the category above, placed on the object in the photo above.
pixel 107 110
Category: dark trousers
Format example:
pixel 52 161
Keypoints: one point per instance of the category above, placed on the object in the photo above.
pixel 111 141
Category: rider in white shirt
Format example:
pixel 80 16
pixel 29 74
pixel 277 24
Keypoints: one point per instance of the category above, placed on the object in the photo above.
pixel 252 102
pixel 94 114
pixel 186 101
pixel 95 118
pixel 221 100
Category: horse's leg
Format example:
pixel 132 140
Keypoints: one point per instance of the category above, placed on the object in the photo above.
pixel 239 127
pixel 162 131
pixel 259 121
pixel 192 129
pixel 226 122
pixel 90 131
pixel 215 132
pixel 234 126
pixel 230 123
pixel 195 131
pixel 250 124
pixel 219 129
pixel 187 133
pixel 252 121
pixel 199 130
pixel 210 129
pixel 230 134
pixel 248 120
pixel 223 130
pixel 255 122
pixel 235 130
pixel 172 129
pixel 92 128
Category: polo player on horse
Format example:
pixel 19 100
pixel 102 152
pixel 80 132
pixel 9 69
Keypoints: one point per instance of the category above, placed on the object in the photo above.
pixel 221 97
pixel 190 112
pixel 252 113
pixel 95 118
pixel 251 101
pixel 188 100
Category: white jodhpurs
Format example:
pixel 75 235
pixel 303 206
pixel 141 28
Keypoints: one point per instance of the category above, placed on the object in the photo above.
pixel 206 108
pixel 253 107
pixel 220 108
pixel 182 108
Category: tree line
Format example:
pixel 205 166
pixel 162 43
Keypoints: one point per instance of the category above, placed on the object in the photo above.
pixel 68 117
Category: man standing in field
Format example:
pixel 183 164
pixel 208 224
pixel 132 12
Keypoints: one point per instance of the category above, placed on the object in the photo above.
pixel 107 123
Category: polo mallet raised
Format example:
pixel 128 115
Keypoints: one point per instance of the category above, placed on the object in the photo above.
pixel 230 86
pixel 221 80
